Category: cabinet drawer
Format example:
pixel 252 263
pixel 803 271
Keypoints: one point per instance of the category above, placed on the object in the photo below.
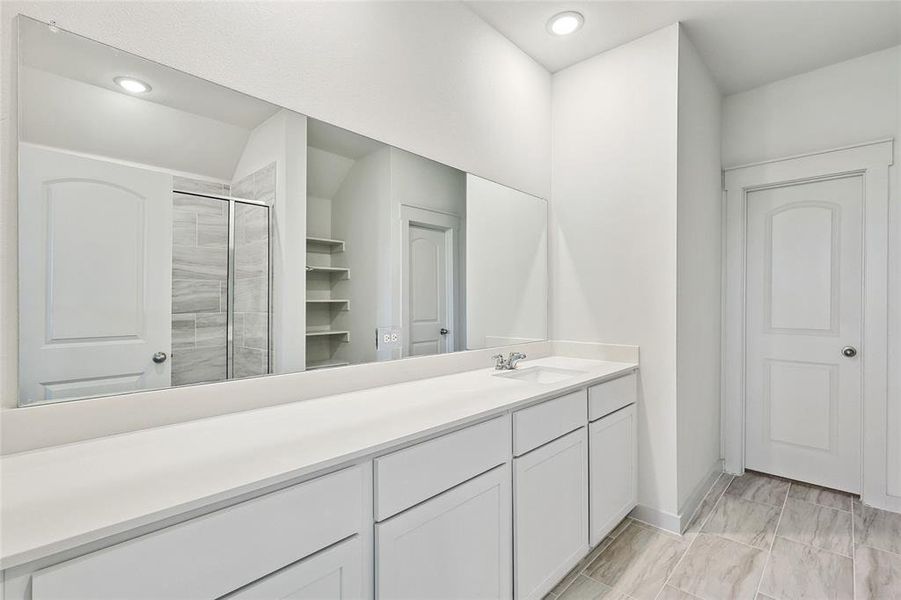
pixel 217 553
pixel 547 421
pixel 419 472
pixel 611 396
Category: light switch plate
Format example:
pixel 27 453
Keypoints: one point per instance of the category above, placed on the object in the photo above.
pixel 387 338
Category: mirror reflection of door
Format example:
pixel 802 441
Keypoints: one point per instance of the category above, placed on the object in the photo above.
pixel 431 287
pixel 95 243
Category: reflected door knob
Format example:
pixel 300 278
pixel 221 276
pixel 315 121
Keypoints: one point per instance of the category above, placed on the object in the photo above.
pixel 443 331
pixel 849 351
pixel 160 357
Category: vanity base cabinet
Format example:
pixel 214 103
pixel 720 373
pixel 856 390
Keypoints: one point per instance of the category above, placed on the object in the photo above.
pixel 335 573
pixel 221 552
pixel 455 545
pixel 613 468
pixel 550 513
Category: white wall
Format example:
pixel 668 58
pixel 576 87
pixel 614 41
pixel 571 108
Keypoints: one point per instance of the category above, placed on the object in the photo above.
pixel 282 138
pixel 422 76
pixel 698 277
pixel 613 227
pixel 854 101
pixel 426 184
pixel 506 250
pixel 361 216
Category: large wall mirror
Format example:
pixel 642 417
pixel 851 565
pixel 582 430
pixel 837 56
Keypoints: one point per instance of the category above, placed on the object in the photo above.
pixel 173 231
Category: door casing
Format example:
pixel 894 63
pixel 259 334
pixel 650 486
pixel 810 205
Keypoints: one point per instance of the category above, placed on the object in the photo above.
pixel 870 161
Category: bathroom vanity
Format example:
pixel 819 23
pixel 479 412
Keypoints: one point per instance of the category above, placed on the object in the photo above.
pixel 480 484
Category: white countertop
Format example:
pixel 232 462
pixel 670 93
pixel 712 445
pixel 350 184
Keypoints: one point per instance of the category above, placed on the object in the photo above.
pixel 56 499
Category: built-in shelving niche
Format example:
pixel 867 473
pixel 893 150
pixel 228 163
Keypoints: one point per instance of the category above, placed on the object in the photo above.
pixel 326 303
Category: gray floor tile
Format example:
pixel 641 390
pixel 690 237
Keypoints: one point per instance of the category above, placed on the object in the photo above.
pixel 877 574
pixel 877 528
pixel 764 597
pixel 621 527
pixel 707 504
pixel 585 588
pixel 671 593
pixel 820 495
pixel 759 488
pixel 657 529
pixel 638 562
pixel 743 521
pixel 826 528
pixel 715 568
pixel 582 564
pixel 800 572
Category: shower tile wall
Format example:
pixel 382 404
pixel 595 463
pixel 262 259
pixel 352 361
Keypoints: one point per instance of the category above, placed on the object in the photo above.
pixel 199 283
pixel 252 303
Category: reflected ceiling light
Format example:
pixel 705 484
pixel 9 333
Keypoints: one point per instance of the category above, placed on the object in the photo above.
pixel 565 23
pixel 132 85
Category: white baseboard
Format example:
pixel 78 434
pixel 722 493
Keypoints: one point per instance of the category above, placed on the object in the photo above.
pixel 697 495
pixel 657 518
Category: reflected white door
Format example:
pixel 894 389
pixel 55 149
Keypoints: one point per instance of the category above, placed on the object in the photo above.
pixel 428 291
pixel 803 307
pixel 95 242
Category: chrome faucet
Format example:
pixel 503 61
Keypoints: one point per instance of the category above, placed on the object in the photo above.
pixel 514 358
pixel 507 364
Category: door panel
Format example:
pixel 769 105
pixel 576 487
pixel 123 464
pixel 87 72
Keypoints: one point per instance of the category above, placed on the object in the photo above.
pixel 550 507
pixel 613 471
pixel 803 305
pixel 428 291
pixel 94 295
pixel 333 574
pixel 456 545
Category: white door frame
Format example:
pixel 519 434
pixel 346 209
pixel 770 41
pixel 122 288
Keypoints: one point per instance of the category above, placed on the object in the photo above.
pixel 871 161
pixel 450 224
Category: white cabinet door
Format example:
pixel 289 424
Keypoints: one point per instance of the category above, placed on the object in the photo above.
pixel 456 545
pixel 333 574
pixel 612 459
pixel 550 507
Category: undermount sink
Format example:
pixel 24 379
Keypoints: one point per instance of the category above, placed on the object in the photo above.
pixel 539 374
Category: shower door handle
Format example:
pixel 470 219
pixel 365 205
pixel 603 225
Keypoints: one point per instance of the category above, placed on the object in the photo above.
pixel 160 357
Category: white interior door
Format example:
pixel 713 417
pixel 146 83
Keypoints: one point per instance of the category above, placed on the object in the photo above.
pixel 428 288
pixel 95 243
pixel 804 289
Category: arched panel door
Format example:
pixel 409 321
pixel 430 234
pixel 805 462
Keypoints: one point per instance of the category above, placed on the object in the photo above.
pixel 804 319
pixel 95 241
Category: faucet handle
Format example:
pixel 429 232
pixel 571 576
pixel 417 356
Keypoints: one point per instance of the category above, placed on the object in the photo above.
pixel 500 363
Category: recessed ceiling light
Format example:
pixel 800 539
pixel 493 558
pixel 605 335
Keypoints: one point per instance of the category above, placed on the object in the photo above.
pixel 565 23
pixel 132 85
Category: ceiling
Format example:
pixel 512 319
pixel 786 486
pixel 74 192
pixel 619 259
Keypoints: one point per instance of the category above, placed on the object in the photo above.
pixel 744 44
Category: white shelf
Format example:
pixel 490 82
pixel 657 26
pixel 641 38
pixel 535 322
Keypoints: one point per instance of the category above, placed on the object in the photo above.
pixel 340 304
pixel 325 364
pixel 315 244
pixel 327 332
pixel 343 272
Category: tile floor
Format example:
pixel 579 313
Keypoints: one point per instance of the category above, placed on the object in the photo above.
pixel 756 537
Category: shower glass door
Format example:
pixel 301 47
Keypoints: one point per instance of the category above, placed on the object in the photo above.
pixel 250 348
pixel 221 281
